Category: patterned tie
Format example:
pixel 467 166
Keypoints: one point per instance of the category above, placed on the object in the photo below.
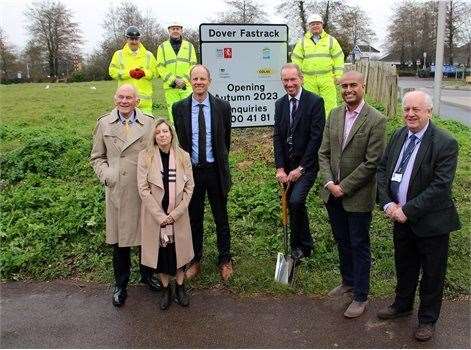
pixel 127 128
pixel 201 136
pixel 403 165
pixel 294 106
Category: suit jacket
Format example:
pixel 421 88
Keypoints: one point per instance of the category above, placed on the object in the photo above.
pixel 308 124
pixel 220 131
pixel 353 166
pixel 114 160
pixel 429 208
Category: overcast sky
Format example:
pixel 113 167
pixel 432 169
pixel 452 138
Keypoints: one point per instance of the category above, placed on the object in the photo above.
pixel 90 14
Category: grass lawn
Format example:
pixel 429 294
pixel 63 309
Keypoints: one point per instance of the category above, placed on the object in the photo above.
pixel 52 205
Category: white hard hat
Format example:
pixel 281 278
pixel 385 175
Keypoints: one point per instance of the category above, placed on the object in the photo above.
pixel 315 18
pixel 175 23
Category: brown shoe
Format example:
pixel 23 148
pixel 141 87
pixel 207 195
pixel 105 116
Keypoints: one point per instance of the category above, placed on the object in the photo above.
pixel 339 291
pixel 424 331
pixel 193 271
pixel 355 309
pixel 226 271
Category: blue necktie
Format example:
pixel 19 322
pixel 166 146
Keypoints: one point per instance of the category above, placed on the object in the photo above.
pixel 403 165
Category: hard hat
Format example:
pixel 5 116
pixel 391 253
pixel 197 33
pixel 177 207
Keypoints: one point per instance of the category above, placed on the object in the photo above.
pixel 175 23
pixel 315 18
pixel 132 32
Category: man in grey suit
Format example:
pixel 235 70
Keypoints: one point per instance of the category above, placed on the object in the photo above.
pixel 353 142
pixel 415 177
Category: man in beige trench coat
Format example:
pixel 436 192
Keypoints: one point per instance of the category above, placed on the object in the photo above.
pixel 118 138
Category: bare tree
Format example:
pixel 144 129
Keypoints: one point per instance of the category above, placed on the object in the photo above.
pixel 294 12
pixel 50 25
pixel 455 17
pixel 412 31
pixel 8 58
pixel 243 11
pixel 465 29
pixel 353 28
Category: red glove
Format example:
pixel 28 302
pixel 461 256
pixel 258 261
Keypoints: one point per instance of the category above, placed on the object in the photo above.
pixel 133 73
pixel 139 73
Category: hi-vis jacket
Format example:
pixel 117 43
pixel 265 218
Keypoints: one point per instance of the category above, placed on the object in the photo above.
pixel 171 66
pixel 125 60
pixel 322 59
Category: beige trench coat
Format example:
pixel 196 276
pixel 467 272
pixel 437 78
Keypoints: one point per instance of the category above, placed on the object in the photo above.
pixel 114 160
pixel 151 190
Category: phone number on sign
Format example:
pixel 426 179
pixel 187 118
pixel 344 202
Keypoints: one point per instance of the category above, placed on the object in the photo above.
pixel 251 118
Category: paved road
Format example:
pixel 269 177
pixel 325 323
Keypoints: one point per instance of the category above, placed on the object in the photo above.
pixel 455 104
pixel 67 314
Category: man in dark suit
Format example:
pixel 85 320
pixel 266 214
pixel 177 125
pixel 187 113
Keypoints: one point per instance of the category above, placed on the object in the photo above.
pixel 203 126
pixel 353 142
pixel 297 135
pixel 415 177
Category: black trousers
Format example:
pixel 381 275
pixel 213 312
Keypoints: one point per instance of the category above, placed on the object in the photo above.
pixel 122 266
pixel 298 217
pixel 351 231
pixel 413 254
pixel 207 181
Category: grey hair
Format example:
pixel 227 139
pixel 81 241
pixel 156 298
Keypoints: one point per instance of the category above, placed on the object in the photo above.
pixel 290 66
pixel 427 98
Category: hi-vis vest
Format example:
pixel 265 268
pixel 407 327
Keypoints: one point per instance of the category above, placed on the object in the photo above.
pixel 322 59
pixel 125 60
pixel 171 66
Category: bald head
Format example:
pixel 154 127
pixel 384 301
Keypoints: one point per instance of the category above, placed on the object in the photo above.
pixel 353 75
pixel 126 99
pixel 352 85
pixel 126 88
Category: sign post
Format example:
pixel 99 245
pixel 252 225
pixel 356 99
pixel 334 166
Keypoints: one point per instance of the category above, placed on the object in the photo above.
pixel 245 62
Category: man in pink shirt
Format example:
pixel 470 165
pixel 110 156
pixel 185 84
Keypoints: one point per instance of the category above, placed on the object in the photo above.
pixel 352 145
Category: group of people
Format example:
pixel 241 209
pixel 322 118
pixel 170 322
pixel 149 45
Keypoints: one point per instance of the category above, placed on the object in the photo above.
pixel 157 174
pixel 411 180
pixel 136 66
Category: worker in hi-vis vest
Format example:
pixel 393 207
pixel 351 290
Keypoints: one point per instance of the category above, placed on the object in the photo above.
pixel 320 58
pixel 134 65
pixel 175 57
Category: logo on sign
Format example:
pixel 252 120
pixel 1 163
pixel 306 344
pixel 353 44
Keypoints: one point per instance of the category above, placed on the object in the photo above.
pixel 265 72
pixel 227 52
pixel 219 53
pixel 266 53
pixel 223 73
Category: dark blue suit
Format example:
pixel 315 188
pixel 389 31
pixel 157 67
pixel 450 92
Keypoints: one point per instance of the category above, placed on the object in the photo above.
pixel 306 133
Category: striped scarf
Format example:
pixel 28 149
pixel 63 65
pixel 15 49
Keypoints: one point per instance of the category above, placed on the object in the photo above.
pixel 166 233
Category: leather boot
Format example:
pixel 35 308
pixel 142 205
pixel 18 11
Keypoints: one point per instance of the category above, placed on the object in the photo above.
pixel 181 296
pixel 165 298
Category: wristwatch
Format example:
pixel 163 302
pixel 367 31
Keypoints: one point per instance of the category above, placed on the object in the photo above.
pixel 301 170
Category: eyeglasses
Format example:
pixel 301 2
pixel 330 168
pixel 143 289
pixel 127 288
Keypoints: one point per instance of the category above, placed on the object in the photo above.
pixel 133 38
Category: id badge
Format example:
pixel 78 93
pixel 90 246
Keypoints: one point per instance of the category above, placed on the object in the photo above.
pixel 396 177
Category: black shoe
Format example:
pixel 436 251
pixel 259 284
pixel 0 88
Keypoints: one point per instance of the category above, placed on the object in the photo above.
pixel 297 254
pixel 391 312
pixel 152 281
pixel 181 296
pixel 165 298
pixel 119 296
